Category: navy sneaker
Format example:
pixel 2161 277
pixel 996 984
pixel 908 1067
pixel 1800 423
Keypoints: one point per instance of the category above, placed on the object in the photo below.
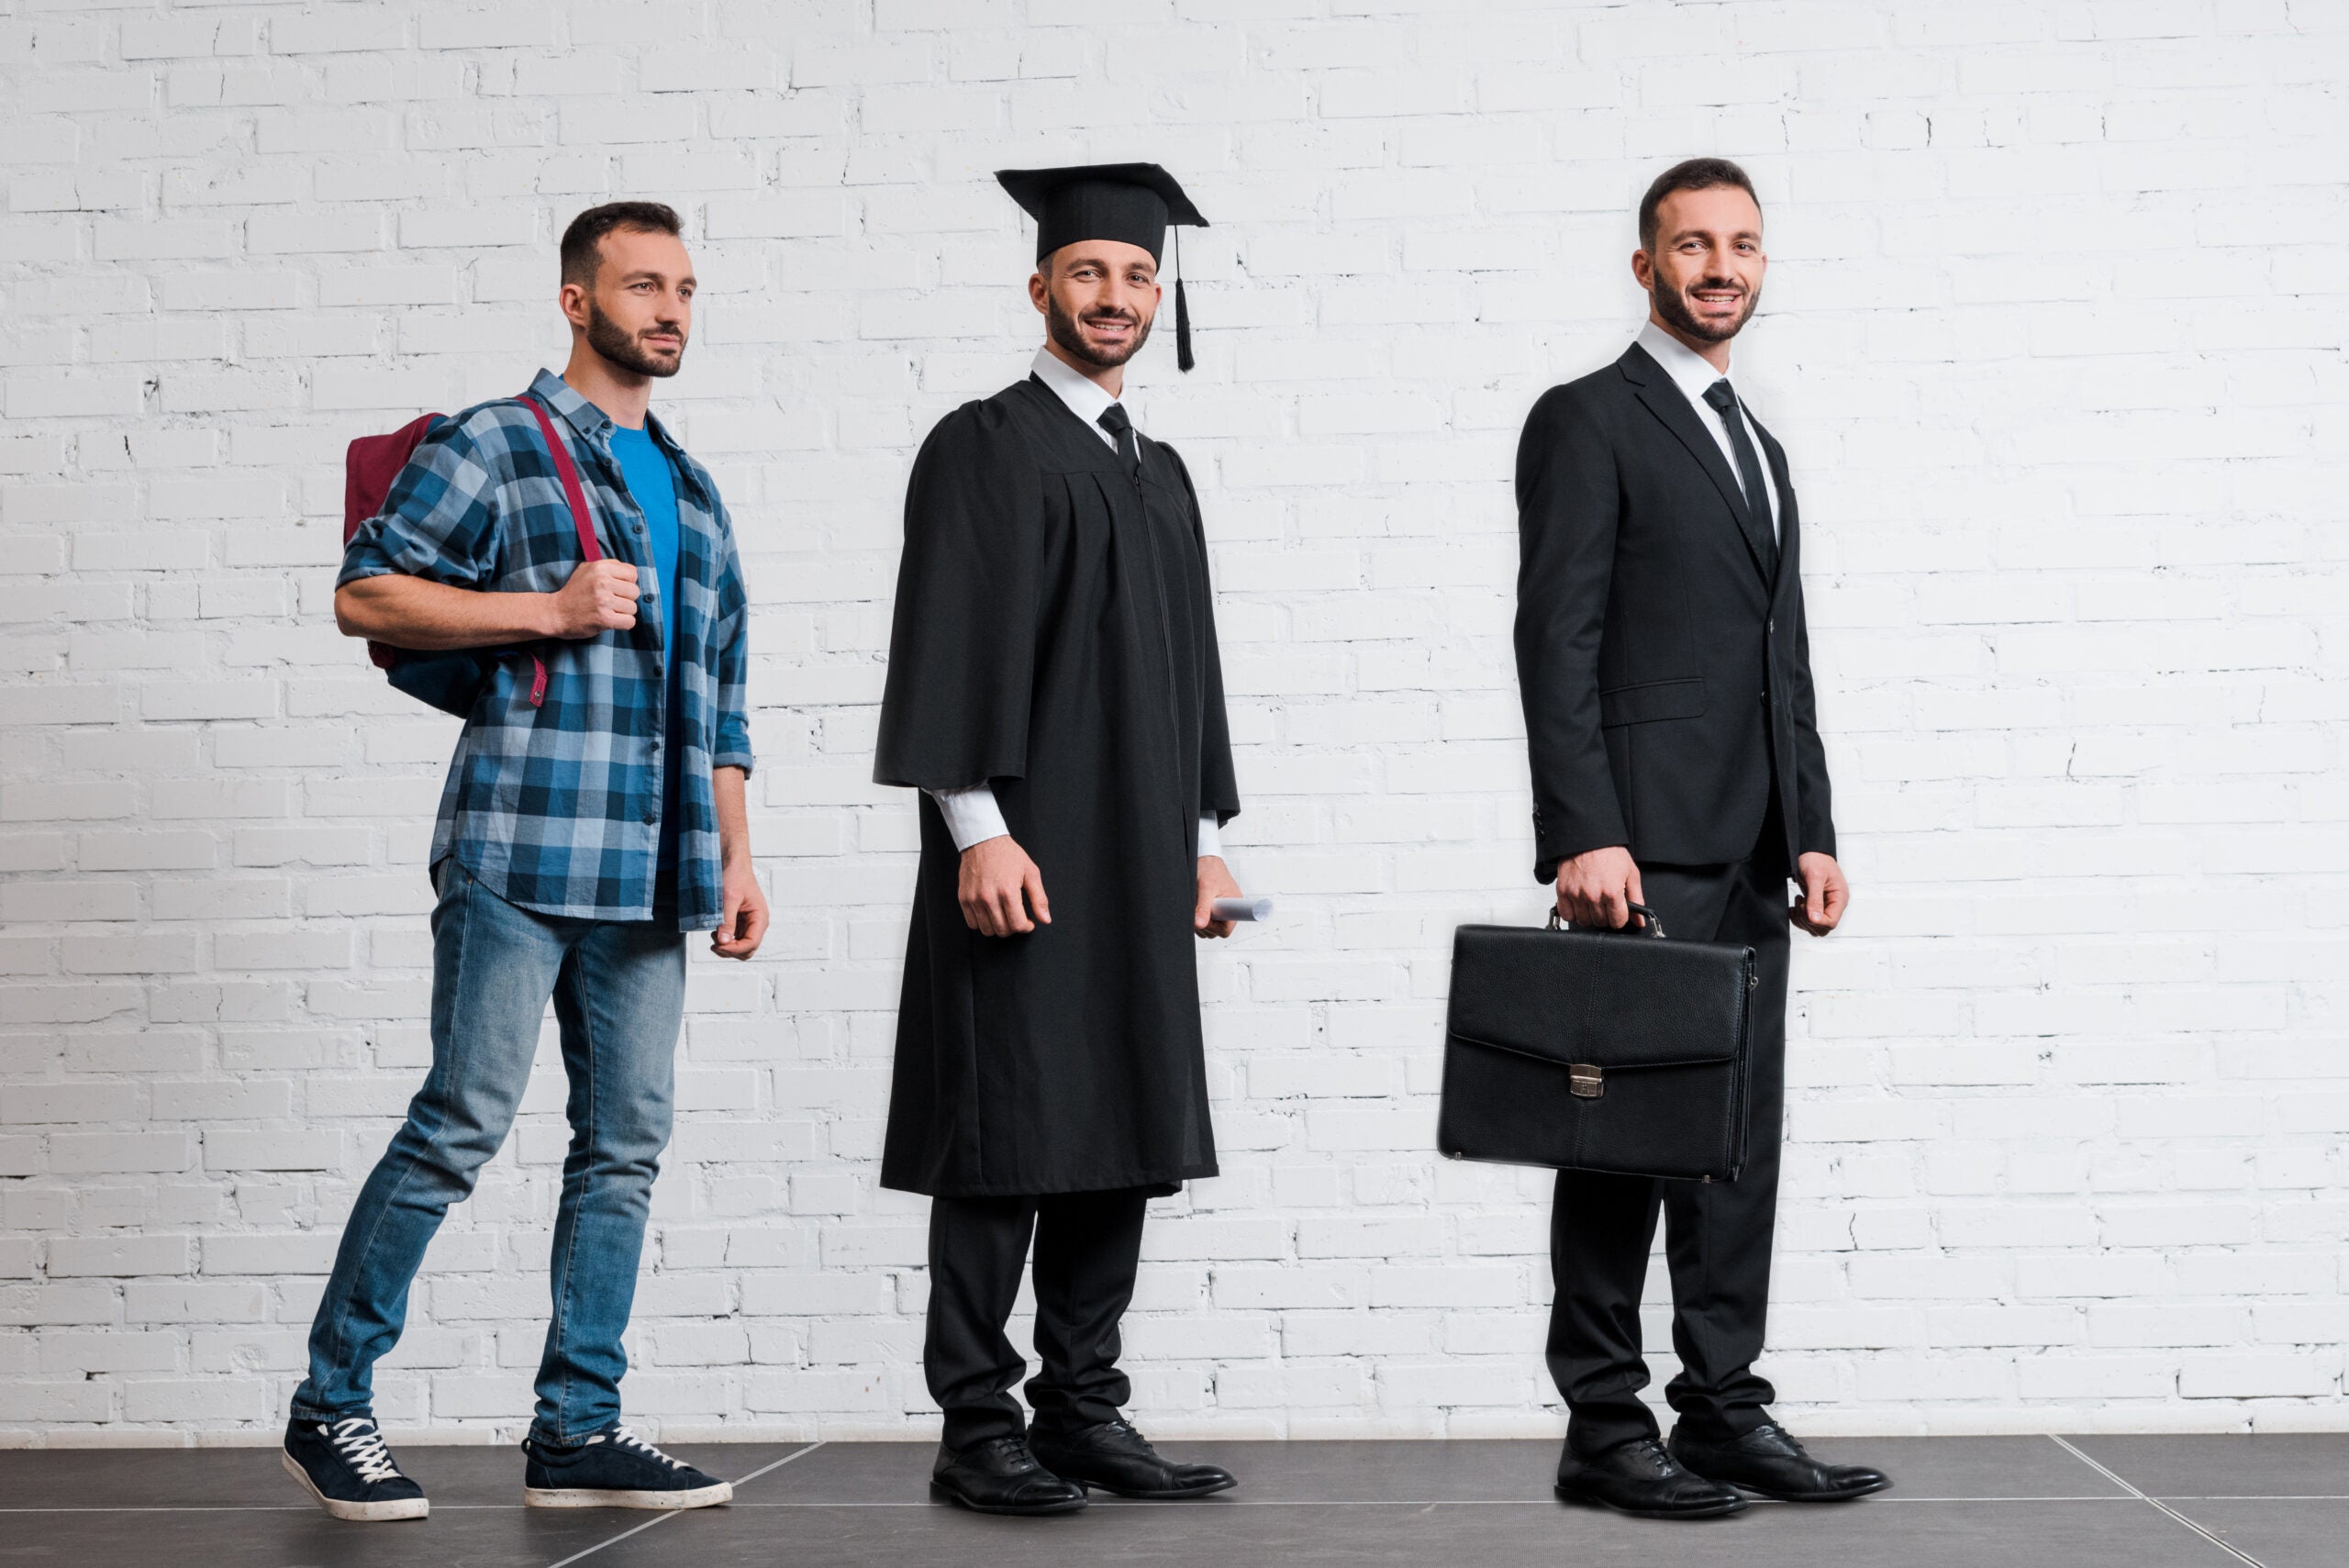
pixel 614 1468
pixel 343 1463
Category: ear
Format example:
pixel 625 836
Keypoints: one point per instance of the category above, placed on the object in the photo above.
pixel 1039 290
pixel 1642 267
pixel 571 299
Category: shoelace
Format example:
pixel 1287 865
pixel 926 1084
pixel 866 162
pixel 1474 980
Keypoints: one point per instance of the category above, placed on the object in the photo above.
pixel 1015 1447
pixel 1772 1428
pixel 622 1437
pixel 360 1444
pixel 1666 1465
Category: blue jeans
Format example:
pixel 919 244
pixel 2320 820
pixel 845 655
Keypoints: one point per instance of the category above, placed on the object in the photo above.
pixel 619 991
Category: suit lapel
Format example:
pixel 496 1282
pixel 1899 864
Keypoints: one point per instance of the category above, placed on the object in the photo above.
pixel 1663 400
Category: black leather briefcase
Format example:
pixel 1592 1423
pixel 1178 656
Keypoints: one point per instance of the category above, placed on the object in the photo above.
pixel 1597 1050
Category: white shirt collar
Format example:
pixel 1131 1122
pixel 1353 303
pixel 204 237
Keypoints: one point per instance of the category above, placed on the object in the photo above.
pixel 1084 396
pixel 1692 373
pixel 1689 370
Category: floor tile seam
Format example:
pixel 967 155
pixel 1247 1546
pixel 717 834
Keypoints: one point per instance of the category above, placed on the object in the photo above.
pixel 244 1508
pixel 664 1518
pixel 800 1452
pixel 1128 1503
pixel 2120 1480
pixel 1229 1503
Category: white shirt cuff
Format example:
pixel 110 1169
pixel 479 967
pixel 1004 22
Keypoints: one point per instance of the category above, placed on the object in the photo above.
pixel 972 814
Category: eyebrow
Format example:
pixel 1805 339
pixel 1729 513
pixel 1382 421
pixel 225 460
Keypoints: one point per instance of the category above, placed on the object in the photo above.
pixel 1107 265
pixel 647 273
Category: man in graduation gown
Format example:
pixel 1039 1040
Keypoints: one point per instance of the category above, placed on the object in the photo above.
pixel 1055 693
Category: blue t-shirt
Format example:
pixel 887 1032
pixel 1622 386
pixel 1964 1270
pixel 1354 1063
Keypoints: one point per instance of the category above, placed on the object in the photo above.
pixel 653 485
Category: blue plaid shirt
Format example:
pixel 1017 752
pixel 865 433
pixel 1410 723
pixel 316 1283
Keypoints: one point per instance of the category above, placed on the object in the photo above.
pixel 557 809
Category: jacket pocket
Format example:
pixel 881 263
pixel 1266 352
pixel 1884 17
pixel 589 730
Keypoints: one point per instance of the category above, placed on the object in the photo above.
pixel 1652 700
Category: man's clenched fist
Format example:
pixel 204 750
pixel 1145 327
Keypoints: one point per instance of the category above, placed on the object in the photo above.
pixel 1598 888
pixel 600 597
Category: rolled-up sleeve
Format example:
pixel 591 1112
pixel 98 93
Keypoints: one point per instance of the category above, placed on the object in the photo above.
pixel 436 522
pixel 731 743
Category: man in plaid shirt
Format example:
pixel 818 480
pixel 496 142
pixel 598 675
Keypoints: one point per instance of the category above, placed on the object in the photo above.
pixel 580 836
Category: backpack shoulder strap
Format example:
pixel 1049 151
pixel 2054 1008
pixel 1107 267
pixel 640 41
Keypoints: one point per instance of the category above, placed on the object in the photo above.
pixel 581 518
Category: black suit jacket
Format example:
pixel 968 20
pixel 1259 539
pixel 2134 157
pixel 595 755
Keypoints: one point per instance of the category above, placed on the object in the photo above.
pixel 1665 675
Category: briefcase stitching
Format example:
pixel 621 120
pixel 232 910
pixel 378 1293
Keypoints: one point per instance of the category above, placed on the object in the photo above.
pixel 1519 1051
pixel 1447 1146
pixel 1741 1123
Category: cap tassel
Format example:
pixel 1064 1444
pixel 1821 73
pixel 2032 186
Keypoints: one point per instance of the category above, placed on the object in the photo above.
pixel 1182 360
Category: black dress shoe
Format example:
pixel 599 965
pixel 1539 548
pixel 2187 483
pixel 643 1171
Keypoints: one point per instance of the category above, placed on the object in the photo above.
pixel 1639 1479
pixel 998 1475
pixel 1115 1458
pixel 1767 1459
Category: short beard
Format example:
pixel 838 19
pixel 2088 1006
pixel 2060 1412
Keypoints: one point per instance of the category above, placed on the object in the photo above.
pixel 612 340
pixel 1677 314
pixel 1062 328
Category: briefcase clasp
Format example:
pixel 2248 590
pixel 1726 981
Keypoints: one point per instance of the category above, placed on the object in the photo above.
pixel 1585 1082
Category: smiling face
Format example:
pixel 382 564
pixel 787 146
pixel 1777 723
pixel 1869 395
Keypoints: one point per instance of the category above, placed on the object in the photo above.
pixel 1704 272
pixel 1099 298
pixel 638 311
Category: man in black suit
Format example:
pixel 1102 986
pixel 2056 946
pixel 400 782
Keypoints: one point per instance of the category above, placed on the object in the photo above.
pixel 1665 670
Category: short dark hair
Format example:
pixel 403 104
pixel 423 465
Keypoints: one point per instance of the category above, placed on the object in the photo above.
pixel 583 241
pixel 1694 174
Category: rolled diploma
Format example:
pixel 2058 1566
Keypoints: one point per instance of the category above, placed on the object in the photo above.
pixel 1244 908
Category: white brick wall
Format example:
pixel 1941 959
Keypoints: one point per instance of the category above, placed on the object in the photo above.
pixel 2055 338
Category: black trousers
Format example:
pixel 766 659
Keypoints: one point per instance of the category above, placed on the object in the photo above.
pixel 1716 1234
pixel 1088 1246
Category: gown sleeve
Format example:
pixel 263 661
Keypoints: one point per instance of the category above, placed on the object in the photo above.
pixel 963 643
pixel 1218 786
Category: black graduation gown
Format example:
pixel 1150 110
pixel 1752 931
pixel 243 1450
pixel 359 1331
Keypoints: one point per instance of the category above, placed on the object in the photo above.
pixel 1055 638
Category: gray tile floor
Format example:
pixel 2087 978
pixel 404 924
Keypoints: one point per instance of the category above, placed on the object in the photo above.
pixel 2079 1501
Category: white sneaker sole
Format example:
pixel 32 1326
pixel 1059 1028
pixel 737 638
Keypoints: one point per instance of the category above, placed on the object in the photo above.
pixel 362 1513
pixel 592 1497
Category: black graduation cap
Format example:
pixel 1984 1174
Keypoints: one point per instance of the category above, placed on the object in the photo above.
pixel 1132 202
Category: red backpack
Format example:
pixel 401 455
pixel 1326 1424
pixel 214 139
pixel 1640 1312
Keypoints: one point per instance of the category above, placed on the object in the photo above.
pixel 450 680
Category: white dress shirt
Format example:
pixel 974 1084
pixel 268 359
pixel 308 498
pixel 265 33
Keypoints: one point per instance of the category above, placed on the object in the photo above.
pixel 972 814
pixel 1087 398
pixel 1692 373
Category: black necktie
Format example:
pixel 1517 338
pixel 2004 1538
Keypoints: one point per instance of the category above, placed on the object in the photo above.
pixel 1113 419
pixel 1749 465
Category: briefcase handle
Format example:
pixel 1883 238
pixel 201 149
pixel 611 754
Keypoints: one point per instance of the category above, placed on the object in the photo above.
pixel 1653 927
